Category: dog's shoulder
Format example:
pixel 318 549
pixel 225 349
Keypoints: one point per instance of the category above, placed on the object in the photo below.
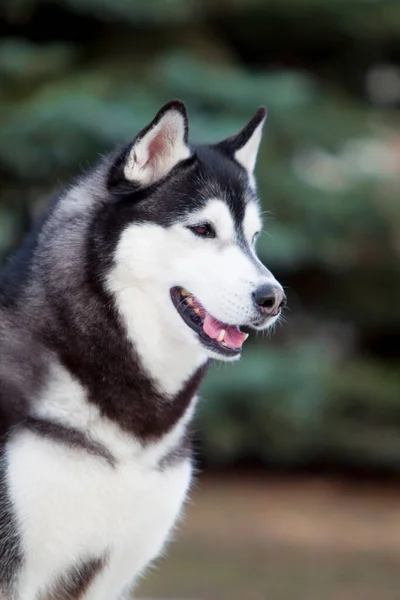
pixel 22 370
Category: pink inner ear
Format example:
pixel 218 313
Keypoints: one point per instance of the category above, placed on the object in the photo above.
pixel 156 147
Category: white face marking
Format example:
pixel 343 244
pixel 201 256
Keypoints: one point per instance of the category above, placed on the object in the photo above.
pixel 252 222
pixel 219 272
pixel 150 260
pixel 140 283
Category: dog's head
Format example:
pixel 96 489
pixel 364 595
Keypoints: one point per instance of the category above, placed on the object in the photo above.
pixel 185 220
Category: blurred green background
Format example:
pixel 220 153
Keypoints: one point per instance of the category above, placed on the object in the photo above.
pixel 322 393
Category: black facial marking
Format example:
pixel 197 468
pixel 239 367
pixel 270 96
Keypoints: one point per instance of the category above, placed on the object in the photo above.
pixel 207 174
pixel 224 180
pixel 73 584
pixel 69 437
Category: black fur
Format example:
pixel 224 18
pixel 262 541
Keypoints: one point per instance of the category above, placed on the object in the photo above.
pixel 73 584
pixel 68 436
pixel 238 140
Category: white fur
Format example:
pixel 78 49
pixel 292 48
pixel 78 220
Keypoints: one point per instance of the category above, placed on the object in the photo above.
pixel 247 154
pixel 74 506
pixel 252 222
pixel 151 259
pixel 146 164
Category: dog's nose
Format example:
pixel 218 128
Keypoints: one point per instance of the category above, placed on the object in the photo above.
pixel 270 299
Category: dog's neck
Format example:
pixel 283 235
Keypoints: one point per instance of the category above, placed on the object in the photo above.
pixel 138 378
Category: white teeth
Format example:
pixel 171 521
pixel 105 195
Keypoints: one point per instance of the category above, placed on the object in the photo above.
pixel 247 335
pixel 221 336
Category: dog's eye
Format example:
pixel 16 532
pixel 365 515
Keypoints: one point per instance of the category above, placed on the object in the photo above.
pixel 203 230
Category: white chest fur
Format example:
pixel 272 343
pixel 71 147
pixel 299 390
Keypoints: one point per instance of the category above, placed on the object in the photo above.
pixel 76 508
pixel 73 507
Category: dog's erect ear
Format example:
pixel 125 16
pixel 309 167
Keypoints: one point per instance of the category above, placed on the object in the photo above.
pixel 159 146
pixel 243 145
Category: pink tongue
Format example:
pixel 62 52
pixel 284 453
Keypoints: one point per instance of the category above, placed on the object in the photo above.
pixel 233 338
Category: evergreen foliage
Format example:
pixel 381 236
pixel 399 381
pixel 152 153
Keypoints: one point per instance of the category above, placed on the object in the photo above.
pixel 79 76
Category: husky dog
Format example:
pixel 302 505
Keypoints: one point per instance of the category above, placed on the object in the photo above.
pixel 138 274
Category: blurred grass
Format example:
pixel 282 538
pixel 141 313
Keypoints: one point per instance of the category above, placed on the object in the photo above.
pixel 281 539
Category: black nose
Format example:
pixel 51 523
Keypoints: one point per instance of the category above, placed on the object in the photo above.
pixel 270 299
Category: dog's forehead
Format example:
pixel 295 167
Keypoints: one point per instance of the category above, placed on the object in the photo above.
pixel 226 193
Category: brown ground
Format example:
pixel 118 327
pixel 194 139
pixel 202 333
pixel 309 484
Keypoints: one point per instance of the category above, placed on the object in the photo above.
pixel 284 539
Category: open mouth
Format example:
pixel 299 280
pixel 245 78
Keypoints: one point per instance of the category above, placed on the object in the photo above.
pixel 220 337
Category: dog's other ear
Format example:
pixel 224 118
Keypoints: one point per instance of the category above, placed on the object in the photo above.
pixel 159 146
pixel 243 146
